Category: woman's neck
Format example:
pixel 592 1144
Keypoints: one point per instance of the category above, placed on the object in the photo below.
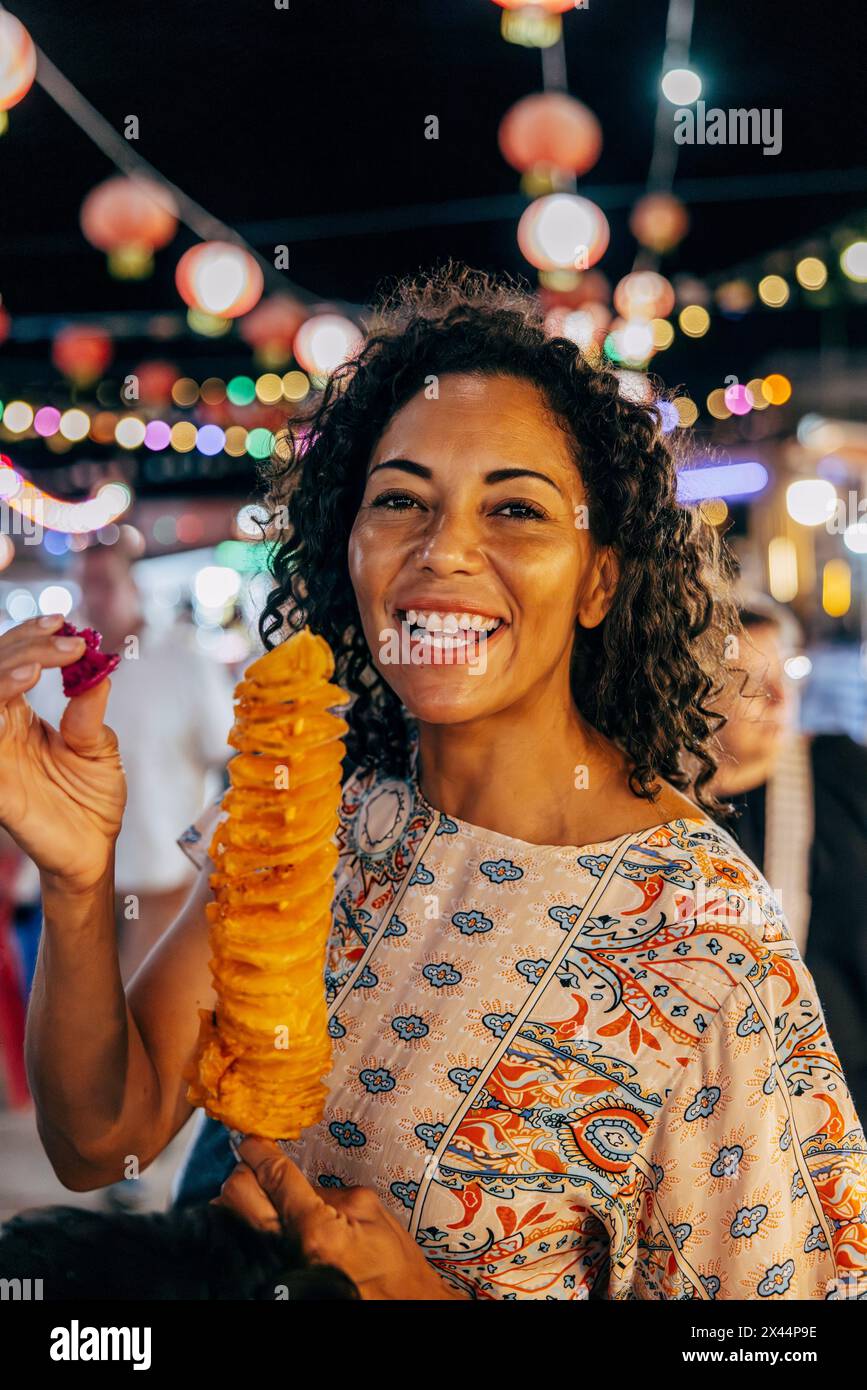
pixel 540 774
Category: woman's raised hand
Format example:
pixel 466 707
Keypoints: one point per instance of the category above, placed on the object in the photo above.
pixel 62 792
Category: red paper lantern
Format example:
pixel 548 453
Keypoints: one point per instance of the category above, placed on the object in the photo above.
pixel 550 128
pixel 82 354
pixel 644 295
pixel 659 221
pixel 5 324
pixel 129 218
pixel 271 327
pixel 563 232
pixel 17 61
pixel 155 382
pixel 219 278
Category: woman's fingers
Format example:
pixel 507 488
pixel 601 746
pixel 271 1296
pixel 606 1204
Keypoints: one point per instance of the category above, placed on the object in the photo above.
pixel 243 1194
pixel 282 1180
pixel 19 648
pixel 82 726
pixel 18 680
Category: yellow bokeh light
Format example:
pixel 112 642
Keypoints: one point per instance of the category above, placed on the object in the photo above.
pixel 694 320
pixel 687 411
pixel 184 435
pixel 836 588
pixel 811 273
pixel 296 385
pixel 783 569
pixel 716 404
pixel 269 388
pixel 236 441
pixel 185 392
pixel 74 425
pixel 756 394
pixel 776 389
pixel 773 291
pixel 663 334
pixel 714 511
pixel 18 417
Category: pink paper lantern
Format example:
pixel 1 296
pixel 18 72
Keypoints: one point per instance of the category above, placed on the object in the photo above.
pixel 550 128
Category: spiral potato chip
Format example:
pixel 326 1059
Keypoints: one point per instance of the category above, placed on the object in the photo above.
pixel 263 1051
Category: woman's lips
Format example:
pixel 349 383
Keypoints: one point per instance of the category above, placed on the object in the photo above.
pixel 415 646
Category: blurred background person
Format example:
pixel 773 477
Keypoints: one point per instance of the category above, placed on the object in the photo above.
pixel 801 815
pixel 173 751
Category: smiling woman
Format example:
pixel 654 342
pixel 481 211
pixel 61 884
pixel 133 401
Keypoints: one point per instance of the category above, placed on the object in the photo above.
pixel 576 1052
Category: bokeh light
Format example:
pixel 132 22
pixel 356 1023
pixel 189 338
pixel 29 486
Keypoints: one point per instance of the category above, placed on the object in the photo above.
pixel 811 501
pixel 773 291
pixel 694 320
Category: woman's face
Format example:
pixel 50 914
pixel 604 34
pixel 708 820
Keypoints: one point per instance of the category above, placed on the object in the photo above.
pixel 470 554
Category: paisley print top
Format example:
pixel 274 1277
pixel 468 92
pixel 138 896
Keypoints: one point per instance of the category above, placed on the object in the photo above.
pixel 582 1072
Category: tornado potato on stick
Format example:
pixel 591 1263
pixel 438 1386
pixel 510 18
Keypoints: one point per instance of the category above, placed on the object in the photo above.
pixel 264 1050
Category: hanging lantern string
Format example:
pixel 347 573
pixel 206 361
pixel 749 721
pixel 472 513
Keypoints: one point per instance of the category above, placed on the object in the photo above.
pixel 663 160
pixel 678 37
pixel 113 145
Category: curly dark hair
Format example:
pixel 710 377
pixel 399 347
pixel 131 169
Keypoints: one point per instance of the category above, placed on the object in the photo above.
pixel 645 676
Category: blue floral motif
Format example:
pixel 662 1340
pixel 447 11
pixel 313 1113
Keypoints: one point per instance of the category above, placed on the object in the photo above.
pixel 330 1180
pixel 681 1234
pixel 711 1283
pixel 748 1220
pixel 395 928
pixel 376 1080
pixel 703 1104
pixel 472 922
pixel 430 1135
pixel 498 1024
pixel 798 1188
pixel 347 1134
pixel 727 1162
pixel 405 1192
pixel 366 979
pixel 464 1078
pixel 532 970
pixel 336 1028
pixel 500 870
pixel 596 863
pixel 565 917
pixel 409 1027
pixel 777 1279
pixel 446 826
pixel 815 1240
pixel 750 1023
pixel 441 975
pixel 421 875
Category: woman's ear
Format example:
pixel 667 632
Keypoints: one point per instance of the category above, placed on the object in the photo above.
pixel 598 595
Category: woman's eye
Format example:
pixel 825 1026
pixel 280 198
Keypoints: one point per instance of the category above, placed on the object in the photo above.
pixel 520 511
pixel 395 501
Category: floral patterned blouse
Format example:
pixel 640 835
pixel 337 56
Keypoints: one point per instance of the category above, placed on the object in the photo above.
pixel 581 1072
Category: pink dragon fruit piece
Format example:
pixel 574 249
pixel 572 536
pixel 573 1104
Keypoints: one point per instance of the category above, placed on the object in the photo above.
pixel 92 667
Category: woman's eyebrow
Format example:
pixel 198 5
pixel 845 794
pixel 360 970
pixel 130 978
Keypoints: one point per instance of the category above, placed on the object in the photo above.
pixel 497 475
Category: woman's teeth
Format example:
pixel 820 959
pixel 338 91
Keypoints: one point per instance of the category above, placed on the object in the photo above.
pixel 449 622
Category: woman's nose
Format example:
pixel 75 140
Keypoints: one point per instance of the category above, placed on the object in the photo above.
pixel 450 543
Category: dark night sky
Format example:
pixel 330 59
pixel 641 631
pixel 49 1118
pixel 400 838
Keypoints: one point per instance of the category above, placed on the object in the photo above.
pixel 265 115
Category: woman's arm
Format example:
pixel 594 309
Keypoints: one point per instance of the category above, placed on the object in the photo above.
pixel 107 1070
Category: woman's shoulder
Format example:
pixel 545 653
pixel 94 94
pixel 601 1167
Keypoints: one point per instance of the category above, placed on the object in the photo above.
pixel 704 875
